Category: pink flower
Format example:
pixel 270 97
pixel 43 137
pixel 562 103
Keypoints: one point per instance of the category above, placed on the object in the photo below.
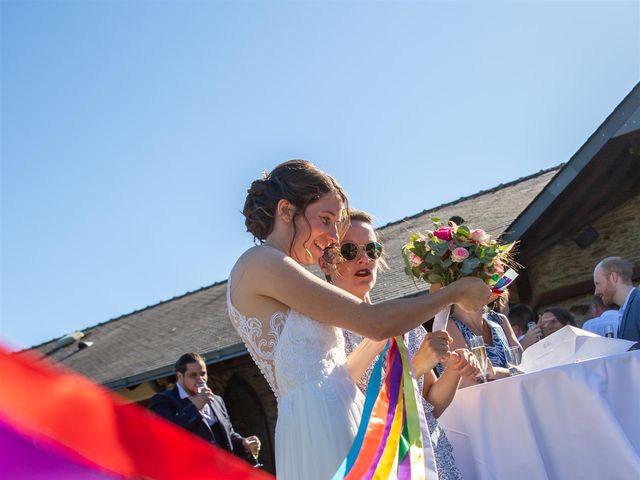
pixel 414 259
pixel 444 233
pixel 459 254
pixel 479 235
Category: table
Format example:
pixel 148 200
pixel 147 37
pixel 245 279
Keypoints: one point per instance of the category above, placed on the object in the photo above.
pixel 576 421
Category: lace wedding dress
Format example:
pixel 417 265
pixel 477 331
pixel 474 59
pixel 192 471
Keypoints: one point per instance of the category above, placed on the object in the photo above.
pixel 319 406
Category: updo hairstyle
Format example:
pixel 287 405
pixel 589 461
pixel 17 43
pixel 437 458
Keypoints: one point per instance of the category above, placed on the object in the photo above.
pixel 299 182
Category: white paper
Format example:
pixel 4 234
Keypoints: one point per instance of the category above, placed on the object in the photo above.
pixel 570 345
pixel 441 319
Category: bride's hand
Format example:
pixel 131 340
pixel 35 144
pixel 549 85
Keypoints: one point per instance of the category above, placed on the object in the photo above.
pixel 470 293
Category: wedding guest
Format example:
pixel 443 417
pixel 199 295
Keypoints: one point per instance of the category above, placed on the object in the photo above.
pixel 553 319
pixel 605 321
pixel 495 330
pixel 612 278
pixel 523 320
pixel 290 320
pixel 355 270
pixel 193 406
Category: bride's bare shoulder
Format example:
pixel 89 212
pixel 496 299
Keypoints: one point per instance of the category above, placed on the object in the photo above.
pixel 257 257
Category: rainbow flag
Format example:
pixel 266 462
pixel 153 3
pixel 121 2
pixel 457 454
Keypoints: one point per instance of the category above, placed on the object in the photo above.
pixel 393 439
pixel 56 424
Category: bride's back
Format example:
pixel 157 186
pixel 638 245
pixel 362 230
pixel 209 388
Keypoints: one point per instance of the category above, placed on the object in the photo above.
pixel 244 281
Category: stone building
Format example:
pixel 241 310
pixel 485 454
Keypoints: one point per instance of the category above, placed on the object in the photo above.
pixel 565 218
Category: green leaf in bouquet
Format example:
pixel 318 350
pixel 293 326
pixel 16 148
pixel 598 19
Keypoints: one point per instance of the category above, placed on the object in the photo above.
pixel 463 231
pixel 407 264
pixel 435 278
pixel 421 249
pixel 416 237
pixel 465 268
pixel 437 268
pixel 506 248
pixel 447 263
pixel 436 221
pixel 442 246
pixel 472 262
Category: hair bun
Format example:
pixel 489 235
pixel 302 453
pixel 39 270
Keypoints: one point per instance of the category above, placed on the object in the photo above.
pixel 257 211
pixel 297 181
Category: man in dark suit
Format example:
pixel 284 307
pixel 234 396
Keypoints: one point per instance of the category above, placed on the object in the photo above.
pixel 193 406
pixel 612 278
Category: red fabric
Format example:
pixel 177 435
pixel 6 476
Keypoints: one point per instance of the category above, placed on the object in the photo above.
pixel 48 401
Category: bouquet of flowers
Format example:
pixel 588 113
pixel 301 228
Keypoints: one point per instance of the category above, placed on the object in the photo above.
pixel 449 252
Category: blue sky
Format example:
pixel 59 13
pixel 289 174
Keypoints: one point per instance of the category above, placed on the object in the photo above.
pixel 131 130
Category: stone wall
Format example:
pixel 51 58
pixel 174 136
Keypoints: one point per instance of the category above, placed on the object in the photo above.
pixel 566 264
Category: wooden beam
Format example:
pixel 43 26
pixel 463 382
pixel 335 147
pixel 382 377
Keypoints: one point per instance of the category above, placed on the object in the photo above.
pixel 573 290
pixel 523 284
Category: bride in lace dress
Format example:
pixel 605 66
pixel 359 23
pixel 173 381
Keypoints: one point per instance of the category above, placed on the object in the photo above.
pixel 291 320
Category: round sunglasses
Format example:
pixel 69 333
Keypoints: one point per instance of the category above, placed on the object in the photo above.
pixel 349 250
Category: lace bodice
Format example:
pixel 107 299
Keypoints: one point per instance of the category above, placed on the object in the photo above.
pixel 291 349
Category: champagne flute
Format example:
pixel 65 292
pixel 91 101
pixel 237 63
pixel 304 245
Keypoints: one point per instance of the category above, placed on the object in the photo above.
pixel 479 350
pixel 255 456
pixel 513 356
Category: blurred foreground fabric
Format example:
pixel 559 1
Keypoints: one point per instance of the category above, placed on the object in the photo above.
pixel 57 424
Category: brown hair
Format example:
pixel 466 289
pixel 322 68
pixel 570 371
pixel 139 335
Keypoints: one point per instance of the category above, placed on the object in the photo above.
pixel 565 317
pixel 299 182
pixel 521 314
pixel 356 215
pixel 186 359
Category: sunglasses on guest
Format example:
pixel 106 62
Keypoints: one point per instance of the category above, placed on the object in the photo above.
pixel 349 250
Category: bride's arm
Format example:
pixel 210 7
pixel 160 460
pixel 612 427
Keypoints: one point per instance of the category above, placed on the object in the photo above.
pixel 269 273
pixel 359 361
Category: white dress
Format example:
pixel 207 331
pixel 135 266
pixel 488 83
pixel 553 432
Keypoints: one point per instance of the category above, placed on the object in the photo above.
pixel 319 405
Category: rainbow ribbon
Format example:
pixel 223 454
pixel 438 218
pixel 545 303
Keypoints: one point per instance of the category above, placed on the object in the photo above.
pixel 58 425
pixel 393 430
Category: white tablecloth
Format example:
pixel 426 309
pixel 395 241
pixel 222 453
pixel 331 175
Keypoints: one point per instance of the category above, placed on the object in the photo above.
pixel 577 421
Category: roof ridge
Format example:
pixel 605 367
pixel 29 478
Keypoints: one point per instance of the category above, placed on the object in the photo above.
pixel 134 312
pixel 475 195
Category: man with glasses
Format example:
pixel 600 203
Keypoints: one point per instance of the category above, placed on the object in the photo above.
pixel 194 407
pixel 612 279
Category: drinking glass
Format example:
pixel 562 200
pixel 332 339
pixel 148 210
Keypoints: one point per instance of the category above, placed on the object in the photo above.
pixel 255 456
pixel 479 349
pixel 513 355
pixel 608 331
pixel 257 463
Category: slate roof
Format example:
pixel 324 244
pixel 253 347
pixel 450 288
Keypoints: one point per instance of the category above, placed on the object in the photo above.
pixel 492 210
pixel 143 345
